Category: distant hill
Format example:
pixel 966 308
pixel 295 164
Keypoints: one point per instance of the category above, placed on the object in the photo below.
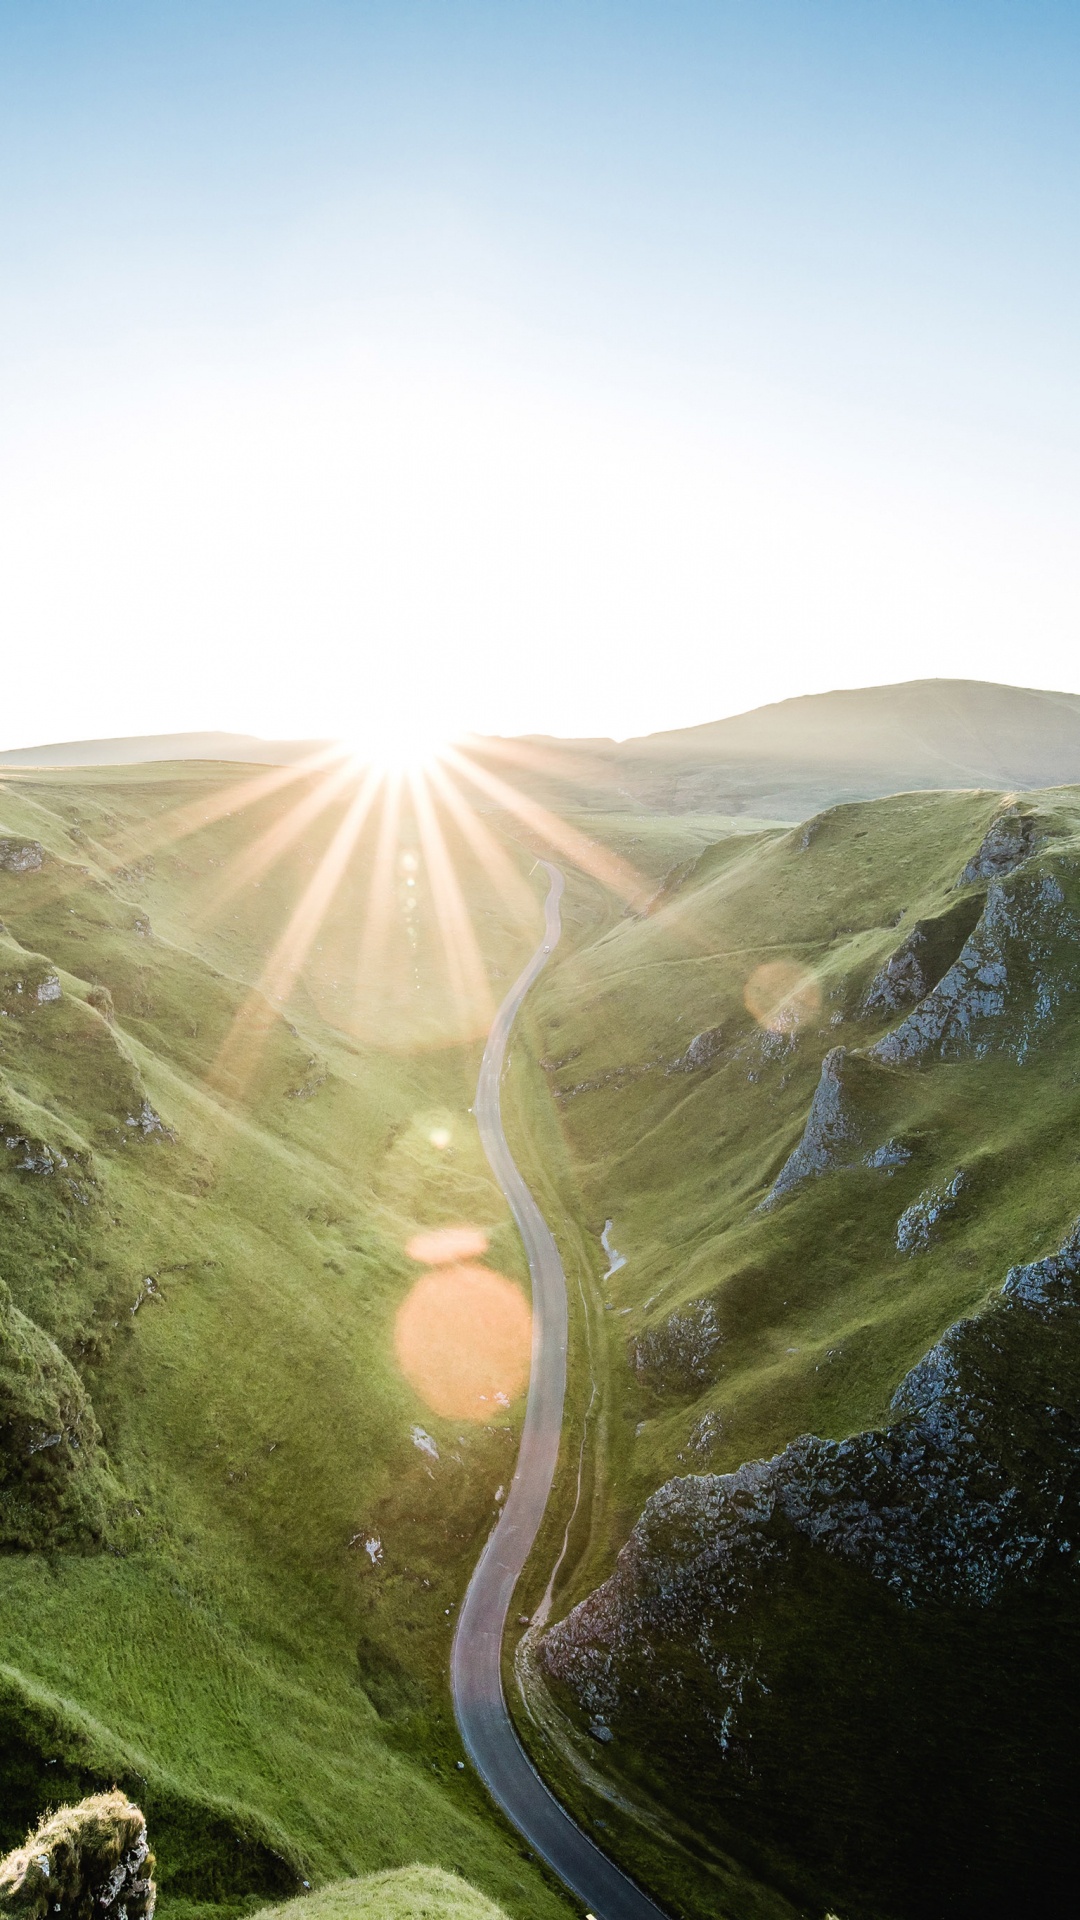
pixel 790 760
pixel 136 749
pixel 781 762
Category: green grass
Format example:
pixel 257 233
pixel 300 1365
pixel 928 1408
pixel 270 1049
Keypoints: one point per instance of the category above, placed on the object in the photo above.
pixel 680 1161
pixel 187 1607
pixel 818 1315
pixel 218 1647
pixel 410 1893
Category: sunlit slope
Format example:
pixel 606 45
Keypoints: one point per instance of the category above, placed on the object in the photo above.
pixel 828 1095
pixel 229 1565
pixel 679 1109
pixel 410 1893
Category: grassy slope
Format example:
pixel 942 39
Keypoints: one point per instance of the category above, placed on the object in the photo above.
pixel 276 1702
pixel 410 1893
pixel 819 1314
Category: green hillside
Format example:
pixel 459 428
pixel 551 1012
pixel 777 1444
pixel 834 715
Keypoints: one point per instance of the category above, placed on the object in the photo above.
pixel 233 1533
pixel 410 1893
pixel 800 1226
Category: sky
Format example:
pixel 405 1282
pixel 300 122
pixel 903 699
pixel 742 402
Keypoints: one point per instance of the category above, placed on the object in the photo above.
pixel 420 368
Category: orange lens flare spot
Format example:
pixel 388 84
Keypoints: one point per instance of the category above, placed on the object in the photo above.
pixel 447 1246
pixel 463 1339
pixel 440 1137
pixel 781 996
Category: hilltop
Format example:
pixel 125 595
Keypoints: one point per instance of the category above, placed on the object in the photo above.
pixel 790 760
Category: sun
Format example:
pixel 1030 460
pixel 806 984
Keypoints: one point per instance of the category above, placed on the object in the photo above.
pixel 397 745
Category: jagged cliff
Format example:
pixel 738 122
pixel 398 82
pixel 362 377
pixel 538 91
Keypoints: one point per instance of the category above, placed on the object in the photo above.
pixel 861 1650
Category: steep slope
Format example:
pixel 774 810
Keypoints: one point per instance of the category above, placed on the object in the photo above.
pixel 826 1098
pixel 233 1527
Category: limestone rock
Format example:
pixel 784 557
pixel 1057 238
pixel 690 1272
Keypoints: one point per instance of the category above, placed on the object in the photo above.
pixel 970 1489
pixel 844 1125
pixel 54 1483
pixel 703 1048
pixel 1008 982
pixel 681 1351
pixel 830 1129
pixel 918 1224
pixel 921 959
pixel 21 856
pixel 81 1863
pixel 145 1123
pixel 1009 841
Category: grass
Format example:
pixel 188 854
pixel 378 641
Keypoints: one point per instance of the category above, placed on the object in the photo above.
pixel 225 1287
pixel 811 1314
pixel 410 1893
pixel 217 1163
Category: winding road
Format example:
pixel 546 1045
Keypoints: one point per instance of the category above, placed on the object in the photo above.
pixel 476 1659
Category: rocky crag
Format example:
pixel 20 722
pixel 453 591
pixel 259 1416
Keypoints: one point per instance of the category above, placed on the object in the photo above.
pixel 89 1862
pixel 863 1651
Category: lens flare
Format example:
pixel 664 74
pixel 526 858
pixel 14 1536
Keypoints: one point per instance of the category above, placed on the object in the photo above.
pixel 781 996
pixel 463 1340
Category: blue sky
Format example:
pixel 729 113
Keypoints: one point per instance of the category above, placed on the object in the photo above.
pixel 578 368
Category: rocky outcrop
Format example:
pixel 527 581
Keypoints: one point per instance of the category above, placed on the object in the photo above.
pixel 844 1125
pixel 918 1225
pixel 32 1156
pixel 703 1048
pixel 55 1488
pixel 862 1654
pixel 973 1486
pixel 145 1123
pixel 27 980
pixel 21 856
pixel 1010 840
pixel 831 1135
pixel 82 1862
pixel 681 1352
pixel 1012 975
pixel 920 961
pixel 1007 984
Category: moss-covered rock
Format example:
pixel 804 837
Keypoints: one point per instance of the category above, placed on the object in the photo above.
pixel 89 1860
pixel 55 1487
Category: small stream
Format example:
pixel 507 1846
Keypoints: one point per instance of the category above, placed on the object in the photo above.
pixel 617 1259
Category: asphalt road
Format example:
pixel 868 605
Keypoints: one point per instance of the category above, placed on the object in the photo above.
pixel 475 1662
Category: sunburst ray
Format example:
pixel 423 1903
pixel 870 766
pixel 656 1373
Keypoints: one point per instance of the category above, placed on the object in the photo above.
pixel 238 1055
pixel 254 860
pixel 495 861
pixel 469 984
pixel 609 868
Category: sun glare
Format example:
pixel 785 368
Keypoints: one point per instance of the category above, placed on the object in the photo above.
pixel 371 850
pixel 397 747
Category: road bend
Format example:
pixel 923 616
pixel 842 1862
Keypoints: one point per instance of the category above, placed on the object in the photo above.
pixel 476 1659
